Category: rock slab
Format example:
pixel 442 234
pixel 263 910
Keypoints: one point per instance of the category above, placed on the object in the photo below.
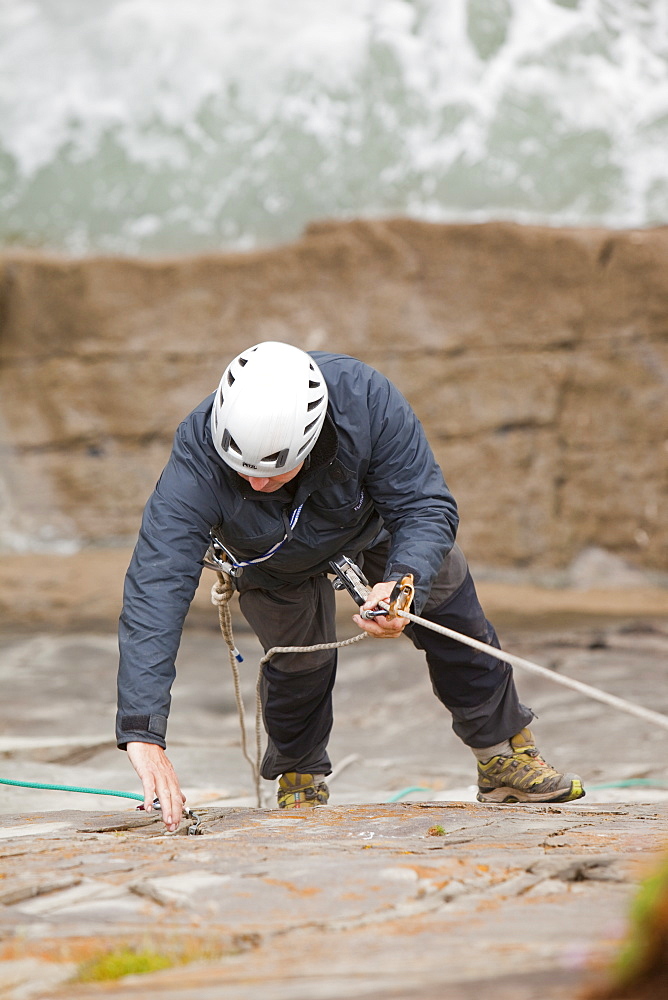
pixel 408 899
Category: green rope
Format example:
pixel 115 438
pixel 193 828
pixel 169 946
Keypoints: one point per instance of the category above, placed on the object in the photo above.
pixel 630 783
pixel 626 783
pixel 72 788
pixel 407 791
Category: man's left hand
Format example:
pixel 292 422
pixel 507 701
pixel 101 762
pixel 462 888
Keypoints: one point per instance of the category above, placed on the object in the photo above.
pixel 381 627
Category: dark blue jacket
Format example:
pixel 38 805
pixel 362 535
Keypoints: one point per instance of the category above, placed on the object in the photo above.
pixel 372 467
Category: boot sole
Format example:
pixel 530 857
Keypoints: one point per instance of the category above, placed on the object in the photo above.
pixel 303 805
pixel 508 794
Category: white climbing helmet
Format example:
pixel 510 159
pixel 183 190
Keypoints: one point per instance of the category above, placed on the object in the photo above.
pixel 268 410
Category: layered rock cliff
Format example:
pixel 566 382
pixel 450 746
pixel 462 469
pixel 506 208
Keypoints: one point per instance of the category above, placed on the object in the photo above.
pixel 536 358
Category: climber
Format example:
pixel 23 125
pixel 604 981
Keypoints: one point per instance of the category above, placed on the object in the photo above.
pixel 295 459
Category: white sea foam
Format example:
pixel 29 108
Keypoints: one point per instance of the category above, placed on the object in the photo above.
pixel 160 125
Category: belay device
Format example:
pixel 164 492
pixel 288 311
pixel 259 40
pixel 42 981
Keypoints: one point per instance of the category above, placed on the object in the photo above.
pixel 351 578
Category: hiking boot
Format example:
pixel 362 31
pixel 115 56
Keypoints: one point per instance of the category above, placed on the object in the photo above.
pixel 300 791
pixel 525 777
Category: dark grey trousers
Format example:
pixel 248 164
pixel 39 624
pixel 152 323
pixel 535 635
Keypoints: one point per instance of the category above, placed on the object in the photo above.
pixel 296 688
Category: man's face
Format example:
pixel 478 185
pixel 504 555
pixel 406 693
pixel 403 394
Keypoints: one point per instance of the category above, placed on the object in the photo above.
pixel 270 484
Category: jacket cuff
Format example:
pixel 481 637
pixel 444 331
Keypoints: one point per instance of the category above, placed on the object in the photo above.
pixel 141 729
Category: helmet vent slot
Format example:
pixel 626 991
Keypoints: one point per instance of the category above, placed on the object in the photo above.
pixel 306 446
pixel 313 385
pixel 229 444
pixel 279 458
pixel 315 402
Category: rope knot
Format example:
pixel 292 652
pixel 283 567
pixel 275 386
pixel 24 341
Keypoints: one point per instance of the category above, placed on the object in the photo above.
pixel 222 590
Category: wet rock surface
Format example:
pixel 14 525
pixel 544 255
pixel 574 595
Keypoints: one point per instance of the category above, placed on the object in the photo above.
pixel 432 895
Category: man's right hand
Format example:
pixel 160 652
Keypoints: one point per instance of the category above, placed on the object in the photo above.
pixel 382 627
pixel 159 780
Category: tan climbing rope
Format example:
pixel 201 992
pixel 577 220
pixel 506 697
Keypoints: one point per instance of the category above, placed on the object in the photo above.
pixel 221 594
